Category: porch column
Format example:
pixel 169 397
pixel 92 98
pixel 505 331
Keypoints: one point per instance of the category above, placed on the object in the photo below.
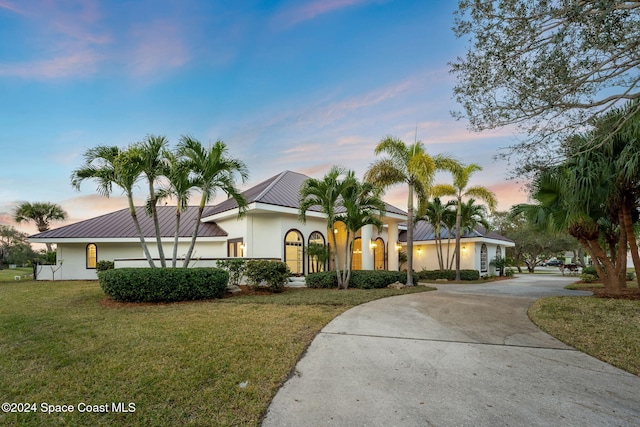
pixel 366 233
pixel 392 252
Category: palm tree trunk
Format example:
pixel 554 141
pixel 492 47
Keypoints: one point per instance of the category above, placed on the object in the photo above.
pixel 631 237
pixel 194 236
pixel 347 267
pixel 156 224
pixel 438 239
pixel 174 258
pixel 336 255
pixel 410 236
pixel 134 216
pixel 457 252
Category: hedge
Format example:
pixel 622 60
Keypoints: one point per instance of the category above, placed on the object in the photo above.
pixel 447 274
pixel 267 273
pixel 163 284
pixel 361 279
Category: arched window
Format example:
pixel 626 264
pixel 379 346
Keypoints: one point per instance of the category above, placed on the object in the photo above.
pixel 483 259
pixel 293 250
pixel 498 252
pixel 92 255
pixel 356 254
pixel 317 252
pixel 378 255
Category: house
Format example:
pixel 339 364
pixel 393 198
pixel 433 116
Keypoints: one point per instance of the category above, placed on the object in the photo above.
pixel 269 229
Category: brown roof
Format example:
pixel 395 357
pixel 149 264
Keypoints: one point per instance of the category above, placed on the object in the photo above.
pixel 424 231
pixel 119 224
pixel 279 190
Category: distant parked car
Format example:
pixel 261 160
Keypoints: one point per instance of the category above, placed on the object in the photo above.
pixel 553 263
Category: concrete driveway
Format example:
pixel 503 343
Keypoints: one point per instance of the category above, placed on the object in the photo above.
pixel 465 355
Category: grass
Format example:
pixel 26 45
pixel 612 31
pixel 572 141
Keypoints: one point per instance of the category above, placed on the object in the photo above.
pixel 8 274
pixel 198 363
pixel 608 329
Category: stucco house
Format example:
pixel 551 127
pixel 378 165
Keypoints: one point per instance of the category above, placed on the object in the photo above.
pixel 269 229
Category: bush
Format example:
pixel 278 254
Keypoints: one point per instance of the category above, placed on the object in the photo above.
pixel 235 267
pixel 590 269
pixel 104 265
pixel 509 272
pixel 271 274
pixel 164 284
pixel 588 278
pixel 447 274
pixel 361 279
pixel 630 276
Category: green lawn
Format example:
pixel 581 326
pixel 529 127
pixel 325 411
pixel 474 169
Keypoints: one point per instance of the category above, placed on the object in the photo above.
pixel 608 329
pixel 8 274
pixel 198 363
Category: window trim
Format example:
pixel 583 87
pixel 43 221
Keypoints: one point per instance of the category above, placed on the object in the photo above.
pixel 302 255
pixel 235 243
pixel 86 254
pixel 484 258
pixel 324 242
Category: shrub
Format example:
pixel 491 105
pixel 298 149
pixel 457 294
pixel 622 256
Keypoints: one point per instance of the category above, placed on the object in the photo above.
pixel 588 278
pixel 361 279
pixel 447 274
pixel 104 265
pixel 323 279
pixel 630 276
pixel 589 269
pixel 509 272
pixel 235 267
pixel 271 274
pixel 164 284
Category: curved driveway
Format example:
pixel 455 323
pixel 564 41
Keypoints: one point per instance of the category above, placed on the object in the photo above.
pixel 465 355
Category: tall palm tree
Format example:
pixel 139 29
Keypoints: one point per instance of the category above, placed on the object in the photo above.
pixel 180 184
pixel 473 215
pixel 152 163
pixel 109 165
pixel 460 190
pixel 435 213
pixel 410 165
pixel 41 214
pixel 325 194
pixel 362 206
pixel 214 170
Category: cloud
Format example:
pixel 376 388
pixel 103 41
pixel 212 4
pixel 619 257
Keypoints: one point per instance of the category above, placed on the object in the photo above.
pixel 76 64
pixel 10 7
pixel 309 11
pixel 157 47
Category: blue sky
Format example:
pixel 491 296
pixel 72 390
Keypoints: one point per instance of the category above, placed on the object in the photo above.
pixel 297 85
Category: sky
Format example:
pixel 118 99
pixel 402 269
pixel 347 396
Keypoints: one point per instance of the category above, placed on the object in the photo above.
pixel 288 85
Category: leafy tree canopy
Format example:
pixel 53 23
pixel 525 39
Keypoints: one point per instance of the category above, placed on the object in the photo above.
pixel 547 66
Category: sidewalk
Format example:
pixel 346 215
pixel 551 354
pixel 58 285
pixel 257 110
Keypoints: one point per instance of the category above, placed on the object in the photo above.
pixel 465 355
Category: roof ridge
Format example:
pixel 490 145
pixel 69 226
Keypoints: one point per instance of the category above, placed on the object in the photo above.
pixel 264 192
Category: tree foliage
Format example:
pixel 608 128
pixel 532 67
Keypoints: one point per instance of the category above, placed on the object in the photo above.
pixel 547 66
pixel 41 214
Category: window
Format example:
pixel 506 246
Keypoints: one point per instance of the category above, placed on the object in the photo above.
pixel 483 259
pixel 317 252
pixel 378 254
pixel 356 254
pixel 293 250
pixel 235 248
pixel 498 252
pixel 92 255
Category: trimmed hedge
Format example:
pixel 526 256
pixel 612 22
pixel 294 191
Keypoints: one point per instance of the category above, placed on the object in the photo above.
pixel 361 279
pixel 447 274
pixel 163 284
pixel 269 274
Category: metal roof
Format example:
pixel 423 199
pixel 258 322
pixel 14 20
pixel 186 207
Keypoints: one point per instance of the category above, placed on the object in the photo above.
pixel 424 231
pixel 119 224
pixel 279 190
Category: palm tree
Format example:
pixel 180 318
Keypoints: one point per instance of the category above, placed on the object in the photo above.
pixel 362 206
pixel 112 166
pixel 41 214
pixel 180 184
pixel 459 190
pixel 325 194
pixel 213 170
pixel 473 215
pixel 152 164
pixel 435 213
pixel 410 165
